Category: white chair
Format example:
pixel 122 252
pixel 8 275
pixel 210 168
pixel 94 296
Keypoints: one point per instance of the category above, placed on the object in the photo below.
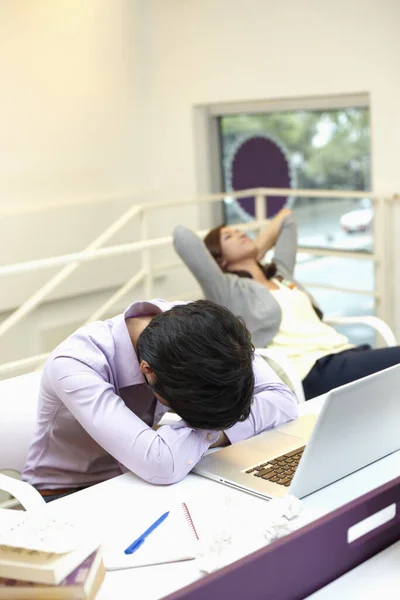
pixel 287 372
pixel 23 494
pixel 18 408
pixel 380 326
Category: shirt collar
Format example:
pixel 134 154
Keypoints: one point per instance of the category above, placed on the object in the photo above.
pixel 126 360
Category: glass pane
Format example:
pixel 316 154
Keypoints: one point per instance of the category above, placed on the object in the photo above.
pixel 234 213
pixel 336 223
pixel 333 270
pixel 327 149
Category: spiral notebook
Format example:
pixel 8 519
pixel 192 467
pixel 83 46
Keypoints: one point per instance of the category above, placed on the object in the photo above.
pixel 175 540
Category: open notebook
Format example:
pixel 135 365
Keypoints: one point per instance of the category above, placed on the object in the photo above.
pixel 174 540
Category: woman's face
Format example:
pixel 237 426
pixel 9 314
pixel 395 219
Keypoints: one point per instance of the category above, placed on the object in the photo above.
pixel 236 246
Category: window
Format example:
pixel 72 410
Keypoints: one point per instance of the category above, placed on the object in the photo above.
pixel 310 149
pixel 307 149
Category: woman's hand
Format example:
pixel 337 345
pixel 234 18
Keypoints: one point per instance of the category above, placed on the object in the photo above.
pixel 284 212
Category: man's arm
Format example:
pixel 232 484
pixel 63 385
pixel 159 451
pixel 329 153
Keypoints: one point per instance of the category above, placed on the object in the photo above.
pixel 273 404
pixel 163 457
pixel 167 455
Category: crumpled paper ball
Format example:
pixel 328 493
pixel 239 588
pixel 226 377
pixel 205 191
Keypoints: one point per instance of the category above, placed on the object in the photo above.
pixel 237 535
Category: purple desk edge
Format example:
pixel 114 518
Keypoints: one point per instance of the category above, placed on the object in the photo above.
pixel 301 563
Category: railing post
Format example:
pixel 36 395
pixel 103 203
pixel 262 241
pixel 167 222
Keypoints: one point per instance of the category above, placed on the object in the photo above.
pixel 382 239
pixel 29 305
pixel 146 258
pixel 260 205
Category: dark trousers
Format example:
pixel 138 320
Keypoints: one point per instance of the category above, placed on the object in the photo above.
pixel 337 369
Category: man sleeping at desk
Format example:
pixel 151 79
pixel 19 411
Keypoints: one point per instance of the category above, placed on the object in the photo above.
pixel 106 387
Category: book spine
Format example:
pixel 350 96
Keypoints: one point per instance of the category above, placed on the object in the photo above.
pixel 189 520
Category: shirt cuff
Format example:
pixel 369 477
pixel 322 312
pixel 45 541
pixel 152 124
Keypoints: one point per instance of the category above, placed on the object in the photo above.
pixel 209 436
pixel 240 431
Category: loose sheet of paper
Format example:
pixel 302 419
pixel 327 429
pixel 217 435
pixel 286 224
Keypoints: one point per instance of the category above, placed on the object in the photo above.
pixel 40 531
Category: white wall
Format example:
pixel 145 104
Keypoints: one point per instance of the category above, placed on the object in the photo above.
pixel 69 107
pixel 212 51
pixel 73 94
pixel 70 129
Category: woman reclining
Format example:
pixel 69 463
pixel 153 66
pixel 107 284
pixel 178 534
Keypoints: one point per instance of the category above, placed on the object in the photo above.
pixel 278 311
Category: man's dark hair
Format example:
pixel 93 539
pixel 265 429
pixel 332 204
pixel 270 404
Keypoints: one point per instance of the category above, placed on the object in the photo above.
pixel 202 357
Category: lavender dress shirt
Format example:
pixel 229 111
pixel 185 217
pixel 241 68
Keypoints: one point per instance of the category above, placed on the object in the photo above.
pixel 96 413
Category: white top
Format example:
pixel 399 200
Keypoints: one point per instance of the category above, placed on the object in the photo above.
pixel 302 337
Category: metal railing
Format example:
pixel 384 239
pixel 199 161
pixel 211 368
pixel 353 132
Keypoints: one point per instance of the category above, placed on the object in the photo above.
pixel 95 250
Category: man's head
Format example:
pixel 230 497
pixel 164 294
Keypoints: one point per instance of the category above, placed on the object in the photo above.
pixel 198 358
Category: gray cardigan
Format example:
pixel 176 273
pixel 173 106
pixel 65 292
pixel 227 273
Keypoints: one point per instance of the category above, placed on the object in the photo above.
pixel 245 297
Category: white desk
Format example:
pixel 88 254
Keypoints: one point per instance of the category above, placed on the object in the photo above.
pixel 124 495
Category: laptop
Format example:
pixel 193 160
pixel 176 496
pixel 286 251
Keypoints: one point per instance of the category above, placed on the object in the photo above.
pixel 358 424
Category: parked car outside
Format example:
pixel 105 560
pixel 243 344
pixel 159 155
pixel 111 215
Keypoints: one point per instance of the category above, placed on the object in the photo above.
pixel 359 220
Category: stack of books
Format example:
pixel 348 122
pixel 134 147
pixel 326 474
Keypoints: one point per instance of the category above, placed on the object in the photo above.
pixel 42 558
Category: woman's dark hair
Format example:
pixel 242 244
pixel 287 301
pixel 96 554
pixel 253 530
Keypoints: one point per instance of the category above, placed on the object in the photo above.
pixel 202 357
pixel 213 243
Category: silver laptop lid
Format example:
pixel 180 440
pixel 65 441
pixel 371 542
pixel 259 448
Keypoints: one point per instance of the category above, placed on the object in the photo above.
pixel 359 424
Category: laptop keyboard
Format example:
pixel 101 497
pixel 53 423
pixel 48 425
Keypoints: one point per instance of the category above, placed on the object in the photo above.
pixel 279 470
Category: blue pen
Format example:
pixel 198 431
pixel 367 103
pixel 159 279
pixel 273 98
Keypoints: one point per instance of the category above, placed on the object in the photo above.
pixel 137 543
